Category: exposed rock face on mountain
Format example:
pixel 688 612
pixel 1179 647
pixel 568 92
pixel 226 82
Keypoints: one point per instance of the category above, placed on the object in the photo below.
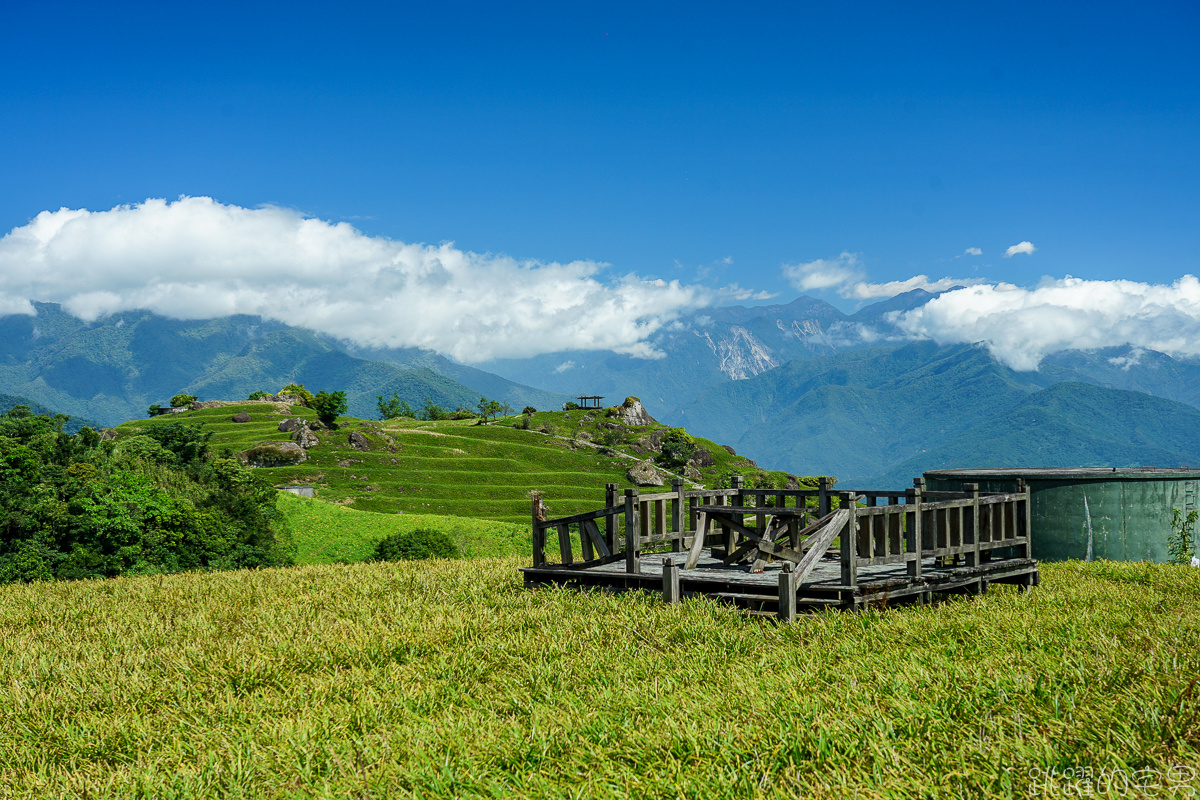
pixel 633 413
pixel 740 355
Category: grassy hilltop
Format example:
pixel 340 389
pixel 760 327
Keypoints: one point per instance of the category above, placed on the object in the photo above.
pixel 454 467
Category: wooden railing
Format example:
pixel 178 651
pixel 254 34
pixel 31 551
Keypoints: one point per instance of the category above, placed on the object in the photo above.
pixel 889 527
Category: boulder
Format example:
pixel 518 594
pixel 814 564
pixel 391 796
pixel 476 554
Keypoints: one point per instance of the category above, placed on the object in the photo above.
pixel 654 441
pixel 305 438
pixel 644 474
pixel 293 424
pixel 241 417
pixel 273 454
pixel 793 483
pixel 359 442
pixel 702 458
pixel 691 473
pixel 729 450
pixel 634 413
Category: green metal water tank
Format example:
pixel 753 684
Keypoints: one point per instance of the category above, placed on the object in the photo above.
pixel 1087 513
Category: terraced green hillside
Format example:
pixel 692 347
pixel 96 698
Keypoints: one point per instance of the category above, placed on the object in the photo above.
pixel 451 468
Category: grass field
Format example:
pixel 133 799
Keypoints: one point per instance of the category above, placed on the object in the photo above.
pixel 448 468
pixel 448 679
pixel 326 533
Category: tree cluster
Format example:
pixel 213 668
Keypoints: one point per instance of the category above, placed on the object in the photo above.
pixel 74 506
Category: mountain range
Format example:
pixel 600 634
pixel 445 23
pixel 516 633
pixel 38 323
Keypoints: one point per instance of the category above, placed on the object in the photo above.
pixel 800 386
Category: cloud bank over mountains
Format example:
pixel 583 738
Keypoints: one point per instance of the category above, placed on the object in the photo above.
pixel 195 258
pixel 1023 326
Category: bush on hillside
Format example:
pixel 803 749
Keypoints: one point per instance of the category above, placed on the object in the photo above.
pixel 328 406
pixel 393 408
pixel 182 400
pixel 416 545
pixel 529 410
pixel 677 448
pixel 259 395
pixel 431 411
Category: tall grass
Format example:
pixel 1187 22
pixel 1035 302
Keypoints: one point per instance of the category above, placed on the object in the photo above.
pixel 448 679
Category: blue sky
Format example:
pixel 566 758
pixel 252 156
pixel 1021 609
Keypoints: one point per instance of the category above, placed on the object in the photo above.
pixel 709 144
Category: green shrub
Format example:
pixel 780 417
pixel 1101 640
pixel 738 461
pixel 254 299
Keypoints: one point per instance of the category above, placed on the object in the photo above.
pixel 181 400
pixel 677 448
pixel 328 405
pixel 570 405
pixel 529 410
pixel 416 545
pixel 393 408
pixel 259 395
pixel 431 411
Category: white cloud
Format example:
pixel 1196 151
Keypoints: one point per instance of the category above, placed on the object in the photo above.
pixel 867 291
pixel 972 251
pixel 845 275
pixel 1131 359
pixel 564 366
pixel 196 258
pixel 1024 247
pixel 1022 326
pixel 824 273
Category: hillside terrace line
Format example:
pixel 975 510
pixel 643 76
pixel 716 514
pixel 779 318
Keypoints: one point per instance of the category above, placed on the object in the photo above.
pixel 774 549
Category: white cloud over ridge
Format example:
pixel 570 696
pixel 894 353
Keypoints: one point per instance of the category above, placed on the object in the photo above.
pixel 1022 326
pixel 846 276
pixel 195 258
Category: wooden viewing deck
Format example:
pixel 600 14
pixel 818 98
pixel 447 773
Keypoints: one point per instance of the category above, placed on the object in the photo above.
pixel 785 550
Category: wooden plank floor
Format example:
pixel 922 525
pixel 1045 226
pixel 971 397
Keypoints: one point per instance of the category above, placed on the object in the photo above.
pixel 876 584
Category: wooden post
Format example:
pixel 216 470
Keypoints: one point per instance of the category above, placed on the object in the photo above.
pixel 539 533
pixel 822 496
pixel 633 562
pixel 914 543
pixel 670 580
pixel 731 537
pixel 973 557
pixel 611 496
pixel 850 541
pixel 1026 550
pixel 677 517
pixel 787 592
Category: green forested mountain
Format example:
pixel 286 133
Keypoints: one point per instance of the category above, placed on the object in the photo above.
pixel 1068 425
pixel 884 415
pixel 113 369
pixel 9 402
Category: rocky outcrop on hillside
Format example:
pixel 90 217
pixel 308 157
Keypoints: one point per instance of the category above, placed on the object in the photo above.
pixel 644 473
pixel 273 454
pixel 305 438
pixel 634 414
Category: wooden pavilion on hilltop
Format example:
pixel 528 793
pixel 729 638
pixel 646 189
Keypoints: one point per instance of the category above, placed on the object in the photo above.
pixel 589 400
